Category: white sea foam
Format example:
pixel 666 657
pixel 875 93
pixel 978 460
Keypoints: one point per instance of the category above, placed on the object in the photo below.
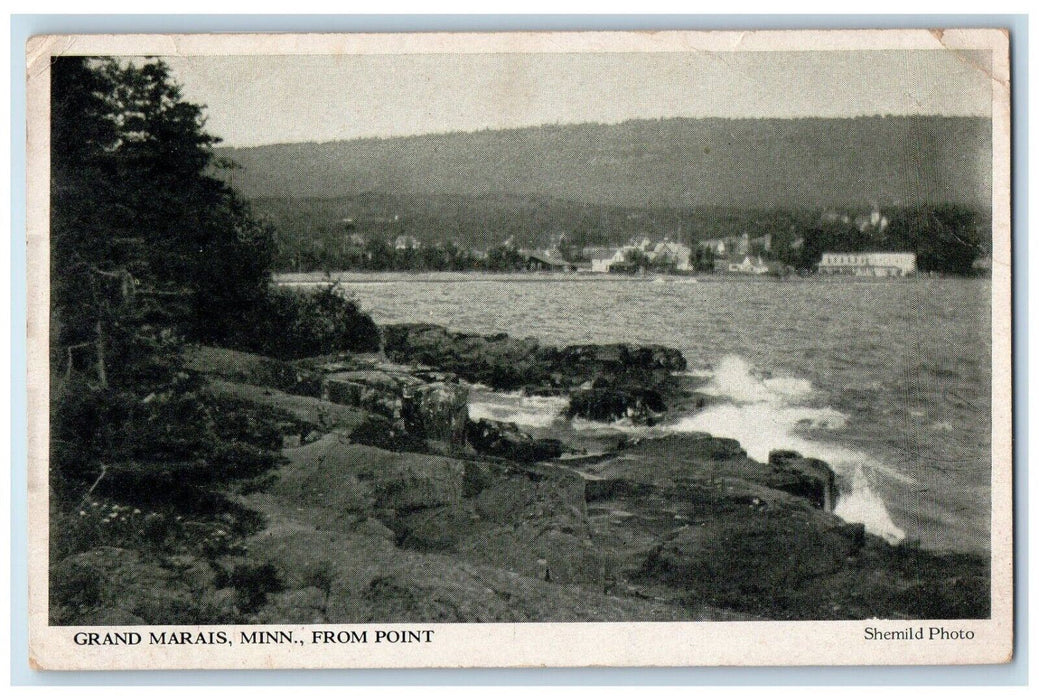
pixel 762 413
pixel 734 380
pixel 788 386
pixel 860 504
pixel 767 413
pixel 622 425
pixel 514 407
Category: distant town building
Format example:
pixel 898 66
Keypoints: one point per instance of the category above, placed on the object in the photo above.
pixel 874 221
pixel 641 250
pixel 762 242
pixel 541 262
pixel 674 254
pixel 868 264
pixel 747 266
pixel 641 242
pixel 832 217
pixel 601 258
pixel 715 245
pixel 404 242
pixel 738 245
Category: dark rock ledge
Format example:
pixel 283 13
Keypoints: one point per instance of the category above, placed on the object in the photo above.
pixel 604 382
pixel 417 513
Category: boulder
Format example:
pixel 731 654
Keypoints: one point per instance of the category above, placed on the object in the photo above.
pixel 507 363
pixel 384 433
pixel 378 392
pixel 415 408
pixel 312 416
pixel 641 407
pixel 244 368
pixel 506 440
pixel 808 478
pixel 346 479
pixel 437 411
pixel 761 561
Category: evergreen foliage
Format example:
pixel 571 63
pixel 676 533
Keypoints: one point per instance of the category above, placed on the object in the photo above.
pixel 150 250
pixel 138 213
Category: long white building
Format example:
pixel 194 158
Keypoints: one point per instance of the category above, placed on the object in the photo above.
pixel 868 264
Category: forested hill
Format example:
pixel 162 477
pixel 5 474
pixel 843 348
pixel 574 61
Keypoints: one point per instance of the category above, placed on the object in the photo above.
pixel 761 163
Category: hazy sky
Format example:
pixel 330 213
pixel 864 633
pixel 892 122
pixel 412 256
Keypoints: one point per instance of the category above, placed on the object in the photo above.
pixel 256 100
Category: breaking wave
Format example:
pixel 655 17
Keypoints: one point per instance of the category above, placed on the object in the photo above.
pixel 515 407
pixel 767 413
pixel 762 413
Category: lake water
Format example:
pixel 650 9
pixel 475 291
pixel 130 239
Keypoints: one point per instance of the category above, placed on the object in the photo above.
pixel 888 381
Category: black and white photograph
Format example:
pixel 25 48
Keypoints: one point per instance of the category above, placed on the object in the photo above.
pixel 369 351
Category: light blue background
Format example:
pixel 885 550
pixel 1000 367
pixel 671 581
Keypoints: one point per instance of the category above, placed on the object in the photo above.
pixel 24 26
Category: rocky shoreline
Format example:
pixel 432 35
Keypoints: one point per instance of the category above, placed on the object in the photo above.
pixel 393 505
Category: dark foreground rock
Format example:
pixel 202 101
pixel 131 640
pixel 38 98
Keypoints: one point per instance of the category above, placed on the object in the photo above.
pixel 506 440
pixel 427 410
pixel 506 363
pixel 677 527
pixel 640 406
pixel 717 528
pixel 681 527
pixel 607 381
pixel 364 535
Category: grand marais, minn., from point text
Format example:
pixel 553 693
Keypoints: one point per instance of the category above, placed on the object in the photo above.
pixel 254 637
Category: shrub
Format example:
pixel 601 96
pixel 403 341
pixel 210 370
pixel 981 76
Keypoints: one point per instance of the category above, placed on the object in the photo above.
pixel 75 585
pixel 253 583
pixel 321 575
pixel 291 324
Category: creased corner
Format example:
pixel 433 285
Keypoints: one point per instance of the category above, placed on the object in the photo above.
pixel 40 49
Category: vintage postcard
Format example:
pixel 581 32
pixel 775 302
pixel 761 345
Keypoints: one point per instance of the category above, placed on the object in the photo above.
pixel 520 349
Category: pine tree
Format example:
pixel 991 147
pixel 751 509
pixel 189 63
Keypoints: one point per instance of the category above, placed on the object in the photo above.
pixel 144 237
pixel 147 248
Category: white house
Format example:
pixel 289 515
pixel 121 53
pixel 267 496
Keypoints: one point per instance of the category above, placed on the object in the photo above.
pixel 642 243
pixel 675 253
pixel 763 242
pixel 403 242
pixel 868 264
pixel 749 266
pixel 716 245
pixel 665 251
pixel 601 258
